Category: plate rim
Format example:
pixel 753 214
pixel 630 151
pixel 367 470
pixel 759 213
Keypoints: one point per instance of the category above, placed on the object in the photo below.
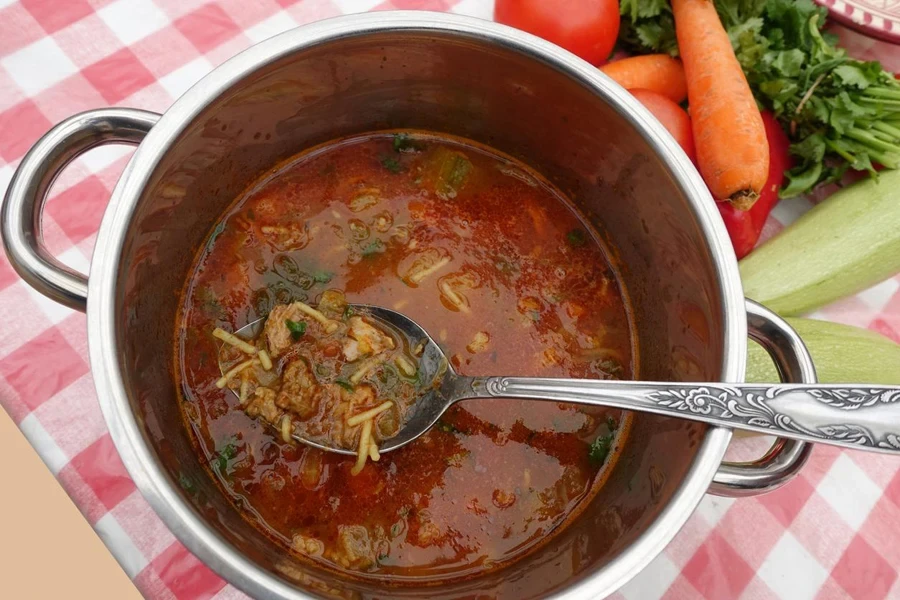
pixel 882 26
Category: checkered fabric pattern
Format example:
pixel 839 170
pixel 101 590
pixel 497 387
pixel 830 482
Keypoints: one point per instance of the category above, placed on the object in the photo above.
pixel 831 534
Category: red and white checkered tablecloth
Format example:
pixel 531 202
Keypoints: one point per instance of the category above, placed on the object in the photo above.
pixel 832 533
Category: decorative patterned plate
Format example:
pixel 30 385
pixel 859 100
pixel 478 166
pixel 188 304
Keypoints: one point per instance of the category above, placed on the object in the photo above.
pixel 875 18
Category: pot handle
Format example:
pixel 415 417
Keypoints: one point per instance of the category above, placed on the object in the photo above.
pixel 786 457
pixel 23 207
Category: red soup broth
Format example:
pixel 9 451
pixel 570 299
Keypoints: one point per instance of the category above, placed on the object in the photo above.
pixel 523 286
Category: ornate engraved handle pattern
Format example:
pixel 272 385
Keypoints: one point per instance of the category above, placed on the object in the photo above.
pixel 851 416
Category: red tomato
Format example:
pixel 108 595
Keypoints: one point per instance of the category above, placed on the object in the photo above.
pixel 587 28
pixel 673 118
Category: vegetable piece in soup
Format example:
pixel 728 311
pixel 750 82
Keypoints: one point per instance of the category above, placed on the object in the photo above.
pixel 494 263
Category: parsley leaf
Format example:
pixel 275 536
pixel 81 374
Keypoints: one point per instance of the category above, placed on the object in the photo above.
pixel 403 143
pixel 576 238
pixel 224 456
pixel 374 247
pixel 297 328
pixel 391 164
pixel 600 448
pixel 322 276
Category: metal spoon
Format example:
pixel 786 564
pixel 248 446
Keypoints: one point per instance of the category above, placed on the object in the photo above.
pixel 853 416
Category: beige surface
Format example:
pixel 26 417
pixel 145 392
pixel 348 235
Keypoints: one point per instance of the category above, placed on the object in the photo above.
pixel 47 548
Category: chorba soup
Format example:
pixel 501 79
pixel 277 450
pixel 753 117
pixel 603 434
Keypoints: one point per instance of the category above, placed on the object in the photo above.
pixel 494 263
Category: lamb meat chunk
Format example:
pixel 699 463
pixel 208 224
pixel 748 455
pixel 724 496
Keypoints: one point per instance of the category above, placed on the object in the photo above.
pixel 263 404
pixel 299 390
pixel 365 340
pixel 278 336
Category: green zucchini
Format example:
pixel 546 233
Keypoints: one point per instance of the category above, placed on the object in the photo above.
pixel 846 244
pixel 841 353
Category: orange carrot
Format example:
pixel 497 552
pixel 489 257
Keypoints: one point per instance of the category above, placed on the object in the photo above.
pixel 730 138
pixel 658 73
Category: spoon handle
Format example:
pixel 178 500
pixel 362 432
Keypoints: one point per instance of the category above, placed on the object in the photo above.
pixel 861 417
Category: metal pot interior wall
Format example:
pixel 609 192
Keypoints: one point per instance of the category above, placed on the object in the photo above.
pixel 470 88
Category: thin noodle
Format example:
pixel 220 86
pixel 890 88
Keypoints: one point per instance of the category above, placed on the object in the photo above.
pixel 286 428
pixel 364 368
pixel 330 326
pixel 363 452
pixel 224 379
pixel 230 338
pixel 265 360
pixel 404 365
pixel 245 388
pixel 369 414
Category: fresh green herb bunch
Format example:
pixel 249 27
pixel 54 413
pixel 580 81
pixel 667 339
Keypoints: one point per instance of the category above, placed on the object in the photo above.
pixel 840 112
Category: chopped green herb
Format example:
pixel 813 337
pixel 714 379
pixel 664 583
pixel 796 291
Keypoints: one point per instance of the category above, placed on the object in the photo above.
pixel 396 528
pixel 391 164
pixel 576 238
pixel 600 449
pixel 322 276
pixel 229 451
pixel 226 454
pixel 374 247
pixel 404 143
pixel 297 328
pixel 454 169
pixel 186 483
pixel 344 384
pixel 348 312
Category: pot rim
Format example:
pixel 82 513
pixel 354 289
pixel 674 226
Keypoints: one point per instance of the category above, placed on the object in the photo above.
pixel 137 455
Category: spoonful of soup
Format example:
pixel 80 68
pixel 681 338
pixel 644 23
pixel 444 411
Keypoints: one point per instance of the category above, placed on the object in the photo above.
pixel 361 379
pixel 340 377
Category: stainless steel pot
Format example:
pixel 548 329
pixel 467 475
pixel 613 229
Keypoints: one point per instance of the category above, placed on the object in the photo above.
pixel 445 73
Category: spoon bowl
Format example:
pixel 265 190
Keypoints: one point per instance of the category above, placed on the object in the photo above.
pixel 855 416
pixel 434 371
